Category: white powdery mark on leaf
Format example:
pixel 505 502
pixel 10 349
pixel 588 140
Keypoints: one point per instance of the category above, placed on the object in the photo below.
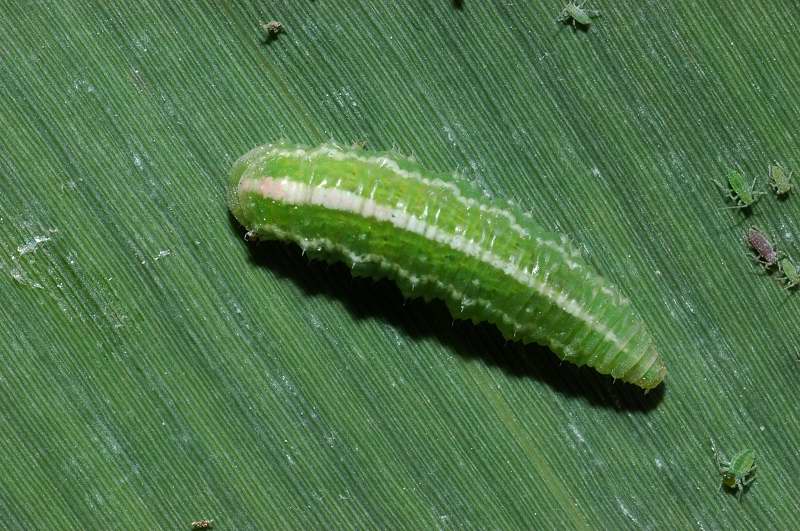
pixel 330 439
pixel 578 435
pixel 141 42
pixel 315 321
pixel 344 97
pixel 625 510
pixel 398 340
pixel 83 85
pixel 33 243
pixel 451 137
pixel 787 232
pixel 163 254
pixel 19 276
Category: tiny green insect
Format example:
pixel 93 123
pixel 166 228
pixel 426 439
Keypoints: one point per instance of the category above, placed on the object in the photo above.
pixel 780 179
pixel 738 191
pixel 574 13
pixel 737 473
pixel 789 273
pixel 437 236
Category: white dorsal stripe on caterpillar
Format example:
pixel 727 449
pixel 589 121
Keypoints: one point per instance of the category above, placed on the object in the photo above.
pixel 383 161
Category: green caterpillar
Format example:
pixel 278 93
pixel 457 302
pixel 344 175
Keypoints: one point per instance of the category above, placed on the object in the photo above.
pixel 438 237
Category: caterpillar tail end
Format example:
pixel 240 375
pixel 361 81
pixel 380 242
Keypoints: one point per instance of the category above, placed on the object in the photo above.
pixel 649 372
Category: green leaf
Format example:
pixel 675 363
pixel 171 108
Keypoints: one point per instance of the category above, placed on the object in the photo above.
pixel 157 369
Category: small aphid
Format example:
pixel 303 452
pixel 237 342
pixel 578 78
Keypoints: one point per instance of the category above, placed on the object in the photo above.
pixel 737 473
pixel 780 179
pixel 758 242
pixel 574 13
pixel 738 191
pixel 271 29
pixel 203 524
pixel 790 275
